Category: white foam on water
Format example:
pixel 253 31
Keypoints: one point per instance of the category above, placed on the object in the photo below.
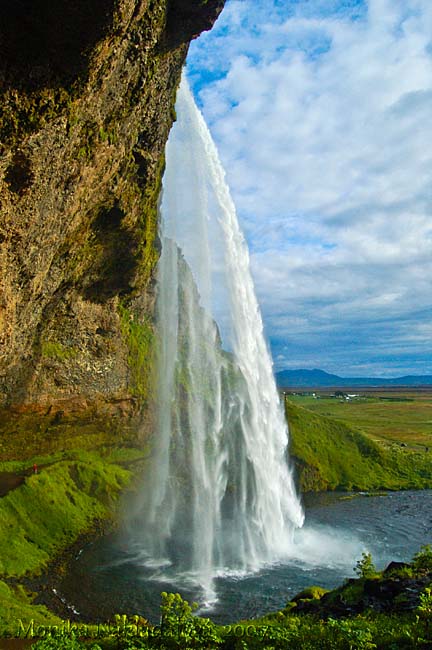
pixel 324 546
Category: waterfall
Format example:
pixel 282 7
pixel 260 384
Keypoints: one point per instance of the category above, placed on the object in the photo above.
pixel 219 494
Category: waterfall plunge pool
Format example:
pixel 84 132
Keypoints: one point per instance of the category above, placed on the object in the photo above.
pixel 108 577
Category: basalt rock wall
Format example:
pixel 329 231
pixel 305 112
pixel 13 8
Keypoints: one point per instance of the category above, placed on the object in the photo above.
pixel 87 93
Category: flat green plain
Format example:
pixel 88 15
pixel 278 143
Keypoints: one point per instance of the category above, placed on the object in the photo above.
pixel 384 416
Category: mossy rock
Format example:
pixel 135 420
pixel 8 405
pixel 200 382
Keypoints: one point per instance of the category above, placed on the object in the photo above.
pixel 310 593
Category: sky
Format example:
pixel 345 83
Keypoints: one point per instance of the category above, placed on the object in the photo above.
pixel 321 111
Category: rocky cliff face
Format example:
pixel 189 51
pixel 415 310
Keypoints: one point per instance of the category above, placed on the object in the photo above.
pixel 87 100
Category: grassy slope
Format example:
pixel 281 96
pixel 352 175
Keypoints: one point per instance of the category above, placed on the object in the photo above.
pixel 51 508
pixel 408 420
pixel 15 605
pixel 47 513
pixel 331 455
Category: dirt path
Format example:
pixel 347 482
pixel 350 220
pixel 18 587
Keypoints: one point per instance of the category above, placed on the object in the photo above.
pixel 16 644
pixel 11 480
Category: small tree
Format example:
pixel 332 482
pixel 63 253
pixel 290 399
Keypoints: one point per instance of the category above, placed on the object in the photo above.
pixel 365 568
pixel 180 629
pixel 422 561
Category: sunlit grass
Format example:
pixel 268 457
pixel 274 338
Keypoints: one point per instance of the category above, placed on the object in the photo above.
pixel 50 509
pixel 404 421
pixel 332 453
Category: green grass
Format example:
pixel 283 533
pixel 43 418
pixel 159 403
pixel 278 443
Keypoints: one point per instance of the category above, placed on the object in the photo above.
pixel 23 465
pixel 105 453
pixel 408 420
pixel 330 455
pixel 48 512
pixel 15 605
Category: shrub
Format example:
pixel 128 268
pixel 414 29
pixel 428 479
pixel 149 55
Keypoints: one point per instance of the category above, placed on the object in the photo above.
pixel 425 607
pixel 422 561
pixel 365 568
pixel 65 642
pixel 181 629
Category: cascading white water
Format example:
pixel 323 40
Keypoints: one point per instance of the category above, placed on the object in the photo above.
pixel 219 495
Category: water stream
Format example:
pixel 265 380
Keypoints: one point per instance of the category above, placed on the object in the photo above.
pixel 219 495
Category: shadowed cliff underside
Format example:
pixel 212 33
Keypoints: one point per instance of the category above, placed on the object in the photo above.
pixel 87 91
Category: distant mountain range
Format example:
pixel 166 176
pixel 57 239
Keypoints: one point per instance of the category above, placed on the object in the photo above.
pixel 319 379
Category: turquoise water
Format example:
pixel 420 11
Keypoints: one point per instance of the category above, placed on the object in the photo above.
pixel 108 577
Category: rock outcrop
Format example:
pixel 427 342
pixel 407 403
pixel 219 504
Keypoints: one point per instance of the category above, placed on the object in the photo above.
pixel 87 92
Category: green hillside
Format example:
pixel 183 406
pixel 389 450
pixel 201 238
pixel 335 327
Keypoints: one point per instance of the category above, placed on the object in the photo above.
pixel 330 455
pixel 403 416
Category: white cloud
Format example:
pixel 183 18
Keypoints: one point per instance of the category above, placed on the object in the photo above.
pixel 322 118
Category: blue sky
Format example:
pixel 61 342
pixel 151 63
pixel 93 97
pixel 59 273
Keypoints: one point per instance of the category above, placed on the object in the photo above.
pixel 321 111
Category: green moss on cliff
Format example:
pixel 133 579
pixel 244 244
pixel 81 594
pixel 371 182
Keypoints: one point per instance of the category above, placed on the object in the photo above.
pixel 55 350
pixel 149 249
pixel 140 196
pixel 27 435
pixel 24 114
pixel 140 339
